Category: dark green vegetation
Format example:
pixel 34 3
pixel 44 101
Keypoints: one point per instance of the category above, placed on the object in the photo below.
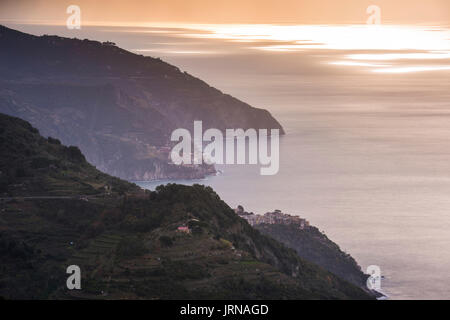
pixel 34 166
pixel 312 245
pixel 118 107
pixel 127 243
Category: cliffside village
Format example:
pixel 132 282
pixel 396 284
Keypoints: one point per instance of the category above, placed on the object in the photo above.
pixel 276 217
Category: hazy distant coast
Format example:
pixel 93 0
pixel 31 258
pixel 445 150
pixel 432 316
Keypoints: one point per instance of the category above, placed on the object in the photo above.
pixel 118 107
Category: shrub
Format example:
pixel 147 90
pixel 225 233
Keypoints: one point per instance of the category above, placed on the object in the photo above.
pixel 53 141
pixel 166 241
pixel 74 154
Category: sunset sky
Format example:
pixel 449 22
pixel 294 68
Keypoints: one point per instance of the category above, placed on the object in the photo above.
pixel 229 11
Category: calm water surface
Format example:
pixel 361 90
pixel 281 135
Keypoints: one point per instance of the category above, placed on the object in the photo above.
pixel 366 157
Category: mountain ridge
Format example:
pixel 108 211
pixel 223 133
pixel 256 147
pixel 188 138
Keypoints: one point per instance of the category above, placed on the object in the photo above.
pixel 178 242
pixel 118 107
pixel 314 246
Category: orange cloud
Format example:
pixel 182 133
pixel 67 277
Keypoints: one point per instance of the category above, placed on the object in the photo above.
pixel 231 11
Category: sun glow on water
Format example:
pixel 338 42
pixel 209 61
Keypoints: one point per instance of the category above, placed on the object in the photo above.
pixel 406 48
pixel 353 37
pixel 412 69
pixel 416 43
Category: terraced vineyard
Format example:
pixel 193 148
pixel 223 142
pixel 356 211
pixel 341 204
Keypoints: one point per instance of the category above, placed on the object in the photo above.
pixel 178 242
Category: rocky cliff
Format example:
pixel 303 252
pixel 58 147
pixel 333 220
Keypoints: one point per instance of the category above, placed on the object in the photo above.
pixel 119 108
pixel 177 242
pixel 314 246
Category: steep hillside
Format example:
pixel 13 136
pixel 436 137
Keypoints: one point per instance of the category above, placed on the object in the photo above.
pixel 31 165
pixel 129 244
pixel 314 246
pixel 118 107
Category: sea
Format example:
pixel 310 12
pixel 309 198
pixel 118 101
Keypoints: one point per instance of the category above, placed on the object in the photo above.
pixel 366 110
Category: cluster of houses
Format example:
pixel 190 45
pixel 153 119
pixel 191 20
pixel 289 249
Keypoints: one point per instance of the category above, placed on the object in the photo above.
pixel 184 229
pixel 276 217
